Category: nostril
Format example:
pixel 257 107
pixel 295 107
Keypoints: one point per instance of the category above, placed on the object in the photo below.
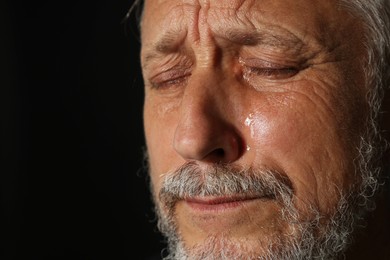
pixel 219 152
pixel 217 155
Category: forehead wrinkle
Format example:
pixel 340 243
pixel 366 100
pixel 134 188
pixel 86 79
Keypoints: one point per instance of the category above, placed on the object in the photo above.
pixel 170 39
pixel 169 42
pixel 236 26
pixel 232 4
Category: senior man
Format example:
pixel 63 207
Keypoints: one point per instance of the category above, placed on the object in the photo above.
pixel 264 127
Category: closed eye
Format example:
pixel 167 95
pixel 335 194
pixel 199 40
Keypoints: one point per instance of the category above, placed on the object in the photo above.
pixel 269 73
pixel 169 83
pixel 170 79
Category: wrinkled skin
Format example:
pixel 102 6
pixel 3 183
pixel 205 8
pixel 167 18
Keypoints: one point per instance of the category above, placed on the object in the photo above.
pixel 271 83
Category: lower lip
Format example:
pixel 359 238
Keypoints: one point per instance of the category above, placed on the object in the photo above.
pixel 207 206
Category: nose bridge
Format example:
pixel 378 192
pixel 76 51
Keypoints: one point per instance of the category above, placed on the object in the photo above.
pixel 203 97
pixel 206 130
pixel 205 103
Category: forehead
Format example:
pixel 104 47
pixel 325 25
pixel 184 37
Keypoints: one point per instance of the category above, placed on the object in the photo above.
pixel 179 13
pixel 316 23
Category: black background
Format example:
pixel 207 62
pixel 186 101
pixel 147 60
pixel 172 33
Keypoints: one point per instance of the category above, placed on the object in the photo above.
pixel 71 133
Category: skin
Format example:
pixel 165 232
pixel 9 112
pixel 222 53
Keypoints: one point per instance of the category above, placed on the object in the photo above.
pixel 271 83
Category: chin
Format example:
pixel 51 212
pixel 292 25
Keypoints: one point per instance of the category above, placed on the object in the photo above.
pixel 316 238
pixel 222 247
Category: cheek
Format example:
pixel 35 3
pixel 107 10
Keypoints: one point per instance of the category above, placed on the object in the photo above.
pixel 304 143
pixel 278 125
pixel 159 129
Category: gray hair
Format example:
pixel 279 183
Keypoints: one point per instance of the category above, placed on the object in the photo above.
pixel 375 15
pixel 136 10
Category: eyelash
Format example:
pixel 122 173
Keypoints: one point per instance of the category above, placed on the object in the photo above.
pixel 170 79
pixel 270 73
pixel 261 69
pixel 168 83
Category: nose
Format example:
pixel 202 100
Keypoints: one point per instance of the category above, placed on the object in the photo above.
pixel 206 129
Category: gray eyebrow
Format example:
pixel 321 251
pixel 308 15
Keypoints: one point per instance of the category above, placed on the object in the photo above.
pixel 168 43
pixel 172 40
pixel 254 37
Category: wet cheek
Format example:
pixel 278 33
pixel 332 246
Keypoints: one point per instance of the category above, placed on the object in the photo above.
pixel 281 140
pixel 301 147
pixel 272 131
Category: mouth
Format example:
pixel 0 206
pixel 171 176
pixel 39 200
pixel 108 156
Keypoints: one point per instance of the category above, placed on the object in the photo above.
pixel 219 214
pixel 224 203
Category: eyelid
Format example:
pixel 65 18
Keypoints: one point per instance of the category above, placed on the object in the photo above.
pixel 261 63
pixel 170 77
pixel 274 73
pixel 255 69
pixel 168 67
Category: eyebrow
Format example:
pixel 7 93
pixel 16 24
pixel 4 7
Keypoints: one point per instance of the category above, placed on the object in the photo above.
pixel 285 40
pixel 172 40
pixel 168 43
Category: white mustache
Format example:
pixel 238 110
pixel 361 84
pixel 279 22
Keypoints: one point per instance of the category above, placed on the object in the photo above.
pixel 191 181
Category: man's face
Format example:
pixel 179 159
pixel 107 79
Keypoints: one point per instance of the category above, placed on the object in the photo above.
pixel 241 88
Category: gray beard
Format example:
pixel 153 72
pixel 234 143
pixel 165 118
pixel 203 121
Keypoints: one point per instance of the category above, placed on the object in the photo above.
pixel 320 237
